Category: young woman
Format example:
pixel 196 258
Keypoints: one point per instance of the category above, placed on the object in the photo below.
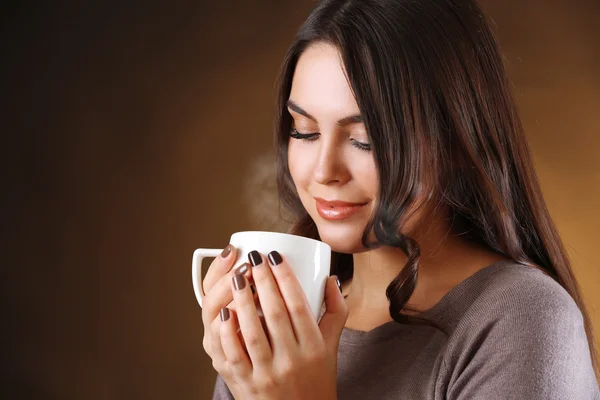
pixel 399 145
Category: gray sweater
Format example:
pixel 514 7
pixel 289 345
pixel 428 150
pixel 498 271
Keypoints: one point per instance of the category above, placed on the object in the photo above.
pixel 512 332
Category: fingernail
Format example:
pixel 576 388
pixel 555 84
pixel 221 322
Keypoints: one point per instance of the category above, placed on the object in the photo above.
pixel 254 258
pixel 226 251
pixel 275 258
pixel 224 314
pixel 339 284
pixel 239 282
pixel 242 269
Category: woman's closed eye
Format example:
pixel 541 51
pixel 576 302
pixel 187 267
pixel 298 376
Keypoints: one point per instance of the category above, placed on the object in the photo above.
pixel 304 136
pixel 311 137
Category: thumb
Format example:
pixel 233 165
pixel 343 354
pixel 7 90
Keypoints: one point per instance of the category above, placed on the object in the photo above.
pixel 336 313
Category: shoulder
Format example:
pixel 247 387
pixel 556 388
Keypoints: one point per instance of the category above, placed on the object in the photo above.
pixel 513 290
pixel 523 302
pixel 518 331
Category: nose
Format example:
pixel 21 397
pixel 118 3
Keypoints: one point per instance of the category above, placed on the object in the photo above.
pixel 330 165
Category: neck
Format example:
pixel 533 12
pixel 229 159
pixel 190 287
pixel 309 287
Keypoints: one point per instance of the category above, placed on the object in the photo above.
pixel 446 260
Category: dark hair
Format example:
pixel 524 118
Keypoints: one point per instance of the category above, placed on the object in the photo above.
pixel 436 101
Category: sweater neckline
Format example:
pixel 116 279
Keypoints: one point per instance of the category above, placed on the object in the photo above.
pixel 437 313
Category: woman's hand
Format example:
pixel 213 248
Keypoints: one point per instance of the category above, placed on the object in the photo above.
pixel 218 294
pixel 296 358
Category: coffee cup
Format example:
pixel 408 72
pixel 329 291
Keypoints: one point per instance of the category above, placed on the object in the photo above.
pixel 309 259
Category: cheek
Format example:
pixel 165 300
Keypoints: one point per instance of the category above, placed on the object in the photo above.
pixel 365 175
pixel 298 165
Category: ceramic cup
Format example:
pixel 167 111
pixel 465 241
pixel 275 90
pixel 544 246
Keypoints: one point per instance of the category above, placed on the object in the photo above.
pixel 309 259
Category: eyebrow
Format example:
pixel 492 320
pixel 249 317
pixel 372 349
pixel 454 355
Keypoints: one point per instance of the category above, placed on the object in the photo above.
pixel 352 119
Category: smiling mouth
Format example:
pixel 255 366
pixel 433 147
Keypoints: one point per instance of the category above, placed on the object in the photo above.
pixel 337 210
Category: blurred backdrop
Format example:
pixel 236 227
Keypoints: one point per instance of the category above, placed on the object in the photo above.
pixel 134 133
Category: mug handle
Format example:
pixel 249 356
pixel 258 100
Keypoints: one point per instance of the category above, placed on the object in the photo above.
pixel 199 255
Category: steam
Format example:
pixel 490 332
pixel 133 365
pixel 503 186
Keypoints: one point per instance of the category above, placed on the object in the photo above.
pixel 260 195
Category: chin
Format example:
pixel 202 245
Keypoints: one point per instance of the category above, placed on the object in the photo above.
pixel 342 237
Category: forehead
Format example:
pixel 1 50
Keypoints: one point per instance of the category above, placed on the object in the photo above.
pixel 320 85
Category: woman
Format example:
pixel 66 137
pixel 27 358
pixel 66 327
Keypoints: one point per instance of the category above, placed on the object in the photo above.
pixel 399 145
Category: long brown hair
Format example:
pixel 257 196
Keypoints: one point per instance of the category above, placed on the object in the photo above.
pixel 429 81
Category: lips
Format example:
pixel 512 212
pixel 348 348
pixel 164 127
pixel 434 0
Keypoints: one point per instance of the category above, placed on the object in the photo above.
pixel 336 210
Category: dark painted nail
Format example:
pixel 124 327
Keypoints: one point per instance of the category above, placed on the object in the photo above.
pixel 254 258
pixel 275 258
pixel 224 314
pixel 339 284
pixel 242 269
pixel 226 251
pixel 239 282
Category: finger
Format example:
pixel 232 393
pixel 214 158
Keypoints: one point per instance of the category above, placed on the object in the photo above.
pixel 235 355
pixel 217 354
pixel 220 295
pixel 220 266
pixel 273 307
pixel 336 313
pixel 249 322
pixel 301 316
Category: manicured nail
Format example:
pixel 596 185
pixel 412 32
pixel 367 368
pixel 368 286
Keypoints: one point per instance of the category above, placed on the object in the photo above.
pixel 254 258
pixel 224 314
pixel 239 282
pixel 242 269
pixel 275 258
pixel 339 284
pixel 226 251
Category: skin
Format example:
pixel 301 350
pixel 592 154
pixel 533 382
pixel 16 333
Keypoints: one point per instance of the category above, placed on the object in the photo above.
pixel 294 358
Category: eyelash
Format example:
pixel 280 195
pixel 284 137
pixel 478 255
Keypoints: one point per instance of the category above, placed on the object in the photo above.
pixel 310 137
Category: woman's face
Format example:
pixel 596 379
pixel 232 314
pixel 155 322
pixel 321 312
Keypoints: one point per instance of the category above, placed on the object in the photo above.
pixel 334 162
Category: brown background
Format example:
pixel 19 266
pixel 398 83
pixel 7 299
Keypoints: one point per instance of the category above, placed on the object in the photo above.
pixel 134 135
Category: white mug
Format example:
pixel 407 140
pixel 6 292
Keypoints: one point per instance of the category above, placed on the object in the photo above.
pixel 310 260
